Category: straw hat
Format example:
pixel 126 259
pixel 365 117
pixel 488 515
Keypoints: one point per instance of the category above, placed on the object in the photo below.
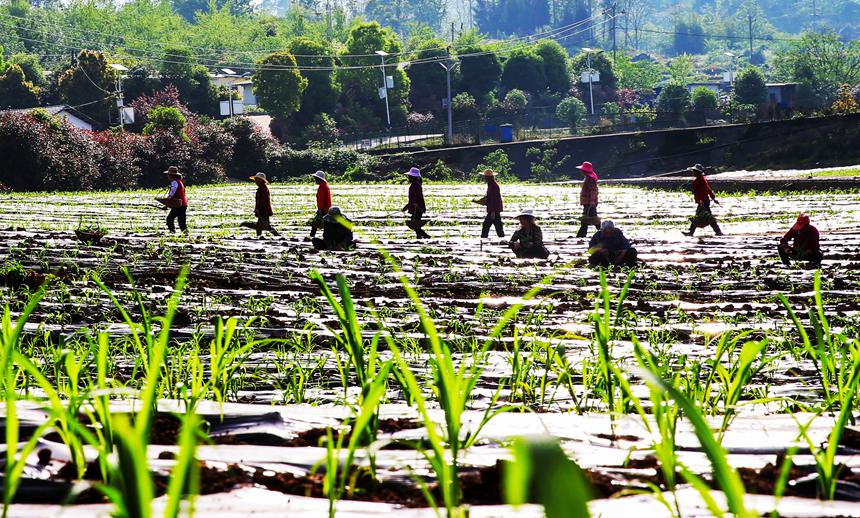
pixel 173 170
pixel 320 175
pixel 259 176
pixel 488 172
pixel 586 166
pixel 526 213
pixel 414 172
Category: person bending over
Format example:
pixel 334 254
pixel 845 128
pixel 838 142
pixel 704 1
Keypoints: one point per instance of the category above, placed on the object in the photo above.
pixel 527 241
pixel 804 243
pixel 609 247
pixel 337 232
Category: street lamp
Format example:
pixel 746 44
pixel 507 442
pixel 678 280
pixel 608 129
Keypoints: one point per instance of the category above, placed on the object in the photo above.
pixel 449 65
pixel 229 72
pixel 119 100
pixel 383 92
pixel 588 52
pixel 732 68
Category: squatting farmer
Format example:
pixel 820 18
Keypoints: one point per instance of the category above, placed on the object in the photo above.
pixel 493 202
pixel 805 243
pixel 703 195
pixel 415 205
pixel 609 247
pixel 527 241
pixel 262 207
pixel 176 200
pixel 337 232
pixel 588 199
pixel 323 202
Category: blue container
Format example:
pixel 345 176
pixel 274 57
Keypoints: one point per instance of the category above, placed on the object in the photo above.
pixel 506 133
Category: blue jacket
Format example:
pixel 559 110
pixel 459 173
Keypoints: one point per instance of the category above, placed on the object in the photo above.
pixel 615 243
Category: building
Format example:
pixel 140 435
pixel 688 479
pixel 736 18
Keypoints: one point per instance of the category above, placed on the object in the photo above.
pixel 240 83
pixel 782 95
pixel 74 117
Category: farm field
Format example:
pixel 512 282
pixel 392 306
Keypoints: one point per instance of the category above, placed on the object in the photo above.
pixel 710 379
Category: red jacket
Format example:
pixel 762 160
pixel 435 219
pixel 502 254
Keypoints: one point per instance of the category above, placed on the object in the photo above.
pixel 323 197
pixel 805 239
pixel 588 195
pixel 702 190
pixel 494 197
pixel 180 193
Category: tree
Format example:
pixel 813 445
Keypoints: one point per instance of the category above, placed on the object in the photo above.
pixel 507 17
pixel 428 80
pixel 323 90
pixel 193 82
pixel 555 64
pixel 750 87
pixel 819 63
pixel 524 70
pixel 681 70
pixel 480 70
pixel 279 85
pixel 571 111
pixel 639 76
pixel 90 85
pixel 605 90
pixel 165 118
pixel 704 101
pixel 29 63
pixel 845 102
pixel 189 9
pixel 673 99
pixel 16 91
pixel 688 37
pixel 397 14
pixel 464 107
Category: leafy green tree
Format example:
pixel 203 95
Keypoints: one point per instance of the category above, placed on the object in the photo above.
pixel 606 89
pixel 15 90
pixel 29 63
pixel 189 9
pixel 480 69
pixel 571 111
pixel 673 99
pixel 428 80
pixel 397 14
pixel 525 70
pixel 195 87
pixel 507 17
pixel 464 107
pixel 750 87
pixel 361 84
pixel 681 70
pixel 165 118
pixel 639 76
pixel 279 85
pixel 704 100
pixel 90 85
pixel 688 37
pixel 819 62
pixel 555 64
pixel 323 90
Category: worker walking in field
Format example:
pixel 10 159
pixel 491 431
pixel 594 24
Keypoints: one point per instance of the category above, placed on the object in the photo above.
pixel 493 202
pixel 805 244
pixel 262 207
pixel 337 232
pixel 415 206
pixel 703 195
pixel 176 200
pixel 609 247
pixel 588 199
pixel 527 241
pixel 323 202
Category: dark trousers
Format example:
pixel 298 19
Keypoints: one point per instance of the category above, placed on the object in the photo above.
pixel 493 219
pixel 611 258
pixel 177 213
pixel 322 244
pixel 415 224
pixel 588 211
pixel 787 254
pixel 703 212
pixel 263 224
pixel 317 222
pixel 535 252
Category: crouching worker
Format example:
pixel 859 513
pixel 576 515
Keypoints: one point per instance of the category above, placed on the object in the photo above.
pixel 527 241
pixel 337 232
pixel 262 207
pixel 609 247
pixel 805 245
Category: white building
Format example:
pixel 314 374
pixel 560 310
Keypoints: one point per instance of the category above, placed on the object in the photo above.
pixel 74 117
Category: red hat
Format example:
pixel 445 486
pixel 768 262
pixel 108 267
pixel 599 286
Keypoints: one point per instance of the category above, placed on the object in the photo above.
pixel 802 221
pixel 586 166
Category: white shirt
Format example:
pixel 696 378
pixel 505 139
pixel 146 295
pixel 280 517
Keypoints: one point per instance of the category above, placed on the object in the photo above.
pixel 173 186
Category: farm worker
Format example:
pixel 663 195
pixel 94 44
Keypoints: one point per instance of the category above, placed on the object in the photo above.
pixel 527 241
pixel 588 199
pixel 805 245
pixel 609 247
pixel 703 195
pixel 263 206
pixel 337 232
pixel 178 200
pixel 493 202
pixel 323 201
pixel 415 206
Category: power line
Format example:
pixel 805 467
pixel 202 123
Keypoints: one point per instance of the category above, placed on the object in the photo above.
pixel 719 36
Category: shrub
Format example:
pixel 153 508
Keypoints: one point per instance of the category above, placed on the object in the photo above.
pixel 845 102
pixel 571 111
pixel 704 101
pixel 321 132
pixel 287 162
pixel 165 118
pixel 416 120
pixel 498 161
pixel 612 113
pixel 250 149
pixel 440 172
pixel 464 107
pixel 750 87
pixel 673 99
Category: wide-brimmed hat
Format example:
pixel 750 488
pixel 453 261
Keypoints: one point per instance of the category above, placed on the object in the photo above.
pixel 607 224
pixel 259 176
pixel 320 175
pixel 526 213
pixel 172 170
pixel 488 172
pixel 414 172
pixel 586 166
pixel 698 168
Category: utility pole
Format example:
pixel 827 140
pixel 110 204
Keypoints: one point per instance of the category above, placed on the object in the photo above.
pixel 384 90
pixel 614 30
pixel 750 18
pixel 328 21
pixel 449 65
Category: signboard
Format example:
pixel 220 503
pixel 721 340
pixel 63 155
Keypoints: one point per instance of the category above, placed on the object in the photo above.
pixel 383 93
pixel 594 77
pixel 238 107
pixel 128 115
pixel 389 81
